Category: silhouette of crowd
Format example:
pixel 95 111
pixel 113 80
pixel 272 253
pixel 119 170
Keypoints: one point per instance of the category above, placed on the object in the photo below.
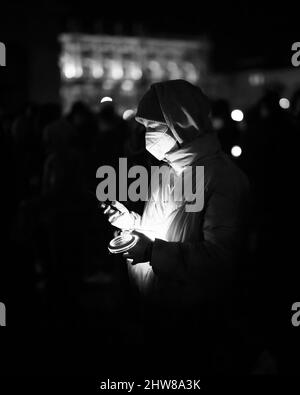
pixel 55 266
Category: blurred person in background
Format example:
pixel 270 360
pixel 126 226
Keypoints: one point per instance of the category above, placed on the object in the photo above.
pixel 112 132
pixel 270 149
pixel 295 108
pixel 224 126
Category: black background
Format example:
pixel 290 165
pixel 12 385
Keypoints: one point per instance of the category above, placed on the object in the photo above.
pixel 244 34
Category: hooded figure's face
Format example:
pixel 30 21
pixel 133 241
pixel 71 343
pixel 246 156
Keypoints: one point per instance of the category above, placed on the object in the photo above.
pixel 158 139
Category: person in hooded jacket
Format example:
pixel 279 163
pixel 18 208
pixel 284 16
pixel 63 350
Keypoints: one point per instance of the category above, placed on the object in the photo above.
pixel 184 263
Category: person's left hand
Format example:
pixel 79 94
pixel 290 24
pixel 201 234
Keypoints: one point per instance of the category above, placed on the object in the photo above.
pixel 141 252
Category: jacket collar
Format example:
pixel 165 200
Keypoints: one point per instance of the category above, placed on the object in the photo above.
pixel 197 150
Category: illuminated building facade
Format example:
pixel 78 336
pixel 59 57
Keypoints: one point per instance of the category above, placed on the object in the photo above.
pixel 124 67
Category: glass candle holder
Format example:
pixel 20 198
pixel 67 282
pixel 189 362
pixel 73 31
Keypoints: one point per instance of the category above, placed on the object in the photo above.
pixel 122 243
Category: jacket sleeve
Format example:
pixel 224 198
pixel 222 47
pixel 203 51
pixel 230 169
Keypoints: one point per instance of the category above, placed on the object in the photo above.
pixel 209 261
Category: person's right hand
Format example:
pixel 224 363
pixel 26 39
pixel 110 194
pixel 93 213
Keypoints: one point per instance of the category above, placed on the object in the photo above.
pixel 118 215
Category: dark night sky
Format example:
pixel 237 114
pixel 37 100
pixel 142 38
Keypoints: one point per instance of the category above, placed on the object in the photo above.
pixel 243 33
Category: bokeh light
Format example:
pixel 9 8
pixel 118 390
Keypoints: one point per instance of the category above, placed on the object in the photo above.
pixel 128 114
pixel 236 151
pixel 237 115
pixel 127 85
pixel 284 103
pixel 106 99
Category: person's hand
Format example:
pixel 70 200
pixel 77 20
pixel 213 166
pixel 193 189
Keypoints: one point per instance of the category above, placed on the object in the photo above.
pixel 118 215
pixel 142 251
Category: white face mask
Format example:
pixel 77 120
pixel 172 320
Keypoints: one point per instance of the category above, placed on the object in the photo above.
pixel 159 142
